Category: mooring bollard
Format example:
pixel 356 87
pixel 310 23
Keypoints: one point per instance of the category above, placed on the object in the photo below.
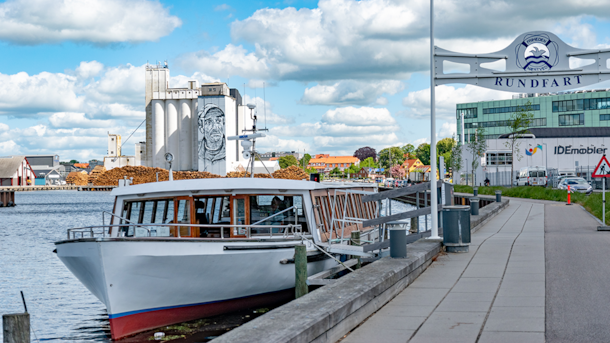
pixel 356 241
pixel 475 191
pixel 414 222
pixel 300 271
pixel 498 196
pixel 16 328
pixel 474 206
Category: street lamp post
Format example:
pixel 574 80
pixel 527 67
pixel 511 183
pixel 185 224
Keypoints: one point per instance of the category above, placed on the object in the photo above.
pixel 433 190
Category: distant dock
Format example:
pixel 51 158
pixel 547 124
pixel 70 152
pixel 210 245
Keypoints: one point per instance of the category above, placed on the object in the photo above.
pixel 57 188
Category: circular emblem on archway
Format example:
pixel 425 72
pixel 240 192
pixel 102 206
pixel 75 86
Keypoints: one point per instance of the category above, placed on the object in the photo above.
pixel 537 53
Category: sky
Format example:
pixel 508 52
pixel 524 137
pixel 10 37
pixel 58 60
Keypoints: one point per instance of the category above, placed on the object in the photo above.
pixel 327 76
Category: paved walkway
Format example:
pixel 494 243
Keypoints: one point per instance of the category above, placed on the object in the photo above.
pixel 494 293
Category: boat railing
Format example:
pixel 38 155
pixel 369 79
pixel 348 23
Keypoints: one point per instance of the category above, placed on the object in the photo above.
pixel 102 231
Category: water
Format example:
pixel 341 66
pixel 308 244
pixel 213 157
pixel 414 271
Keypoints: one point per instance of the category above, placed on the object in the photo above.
pixel 399 207
pixel 60 307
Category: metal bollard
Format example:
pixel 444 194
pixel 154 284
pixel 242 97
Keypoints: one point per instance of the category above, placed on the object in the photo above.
pixel 498 196
pixel 474 206
pixel 475 191
pixel 398 241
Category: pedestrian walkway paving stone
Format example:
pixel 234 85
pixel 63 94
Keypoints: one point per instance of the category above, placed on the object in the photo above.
pixel 493 293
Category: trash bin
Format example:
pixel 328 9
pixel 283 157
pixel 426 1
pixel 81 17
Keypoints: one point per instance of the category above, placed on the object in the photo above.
pixel 498 196
pixel 474 206
pixel 398 239
pixel 456 228
pixel 475 191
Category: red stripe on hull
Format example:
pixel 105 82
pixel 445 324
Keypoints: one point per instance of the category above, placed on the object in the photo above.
pixel 129 325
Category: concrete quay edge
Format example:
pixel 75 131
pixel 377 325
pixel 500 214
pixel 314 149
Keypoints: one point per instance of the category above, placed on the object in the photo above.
pixel 330 312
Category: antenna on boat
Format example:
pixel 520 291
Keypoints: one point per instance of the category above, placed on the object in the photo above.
pixel 248 142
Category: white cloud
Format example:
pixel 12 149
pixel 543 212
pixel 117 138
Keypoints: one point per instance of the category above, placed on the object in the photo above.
pixel 346 129
pixel 274 143
pixel 348 92
pixel 71 119
pixel 25 95
pixel 32 22
pixel 448 129
pixel 9 148
pixel 362 116
pixel 3 127
pixel 265 114
pixel 447 97
pixel 382 39
pixel 88 70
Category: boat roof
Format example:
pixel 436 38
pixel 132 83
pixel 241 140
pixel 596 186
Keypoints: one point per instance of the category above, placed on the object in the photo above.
pixel 227 185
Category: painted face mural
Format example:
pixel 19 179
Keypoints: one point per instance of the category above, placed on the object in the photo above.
pixel 211 122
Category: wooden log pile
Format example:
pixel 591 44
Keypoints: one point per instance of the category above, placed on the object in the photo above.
pixel 291 173
pixel 148 174
pixel 95 173
pixel 77 178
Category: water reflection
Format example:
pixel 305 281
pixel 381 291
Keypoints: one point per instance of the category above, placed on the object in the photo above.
pixel 424 222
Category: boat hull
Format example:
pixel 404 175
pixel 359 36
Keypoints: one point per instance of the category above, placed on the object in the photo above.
pixel 147 283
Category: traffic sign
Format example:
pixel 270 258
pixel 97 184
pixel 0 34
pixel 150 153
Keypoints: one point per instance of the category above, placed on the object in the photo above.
pixel 602 169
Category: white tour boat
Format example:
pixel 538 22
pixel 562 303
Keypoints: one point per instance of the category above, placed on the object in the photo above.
pixel 180 250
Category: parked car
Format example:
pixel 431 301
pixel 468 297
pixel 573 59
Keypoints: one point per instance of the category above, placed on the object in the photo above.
pixel 577 184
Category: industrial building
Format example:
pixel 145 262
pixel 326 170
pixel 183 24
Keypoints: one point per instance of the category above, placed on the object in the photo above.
pixel 115 159
pixel 16 171
pixel 192 124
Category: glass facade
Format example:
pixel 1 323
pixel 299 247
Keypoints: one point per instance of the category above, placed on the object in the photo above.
pixel 469 113
pixel 572 119
pixel 509 109
pixel 537 122
pixel 581 104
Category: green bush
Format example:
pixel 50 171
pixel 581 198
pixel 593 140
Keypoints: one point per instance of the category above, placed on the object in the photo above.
pixel 592 203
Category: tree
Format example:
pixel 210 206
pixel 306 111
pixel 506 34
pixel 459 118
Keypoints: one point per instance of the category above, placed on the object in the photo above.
pixel 74 161
pixel 520 122
pixel 397 157
pixel 305 160
pixel 369 162
pixel 397 171
pixel 365 152
pixel 445 145
pixel 456 161
pixel 477 148
pixel 287 161
pixel 423 153
pixel 409 151
pixel 353 169
pixel 335 171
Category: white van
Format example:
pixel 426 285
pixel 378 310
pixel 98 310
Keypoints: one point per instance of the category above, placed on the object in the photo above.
pixel 532 176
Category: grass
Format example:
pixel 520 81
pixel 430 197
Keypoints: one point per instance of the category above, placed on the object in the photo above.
pixel 592 203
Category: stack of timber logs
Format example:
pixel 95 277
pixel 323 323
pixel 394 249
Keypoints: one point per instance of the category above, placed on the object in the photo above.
pixel 292 173
pixel 77 178
pixel 95 173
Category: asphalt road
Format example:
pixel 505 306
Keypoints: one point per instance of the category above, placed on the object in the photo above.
pixel 577 276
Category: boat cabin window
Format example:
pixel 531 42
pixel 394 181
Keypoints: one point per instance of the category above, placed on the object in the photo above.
pixel 158 211
pixel 212 210
pixel 271 207
pixel 183 216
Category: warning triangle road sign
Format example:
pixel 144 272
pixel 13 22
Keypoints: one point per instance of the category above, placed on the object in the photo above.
pixel 602 169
